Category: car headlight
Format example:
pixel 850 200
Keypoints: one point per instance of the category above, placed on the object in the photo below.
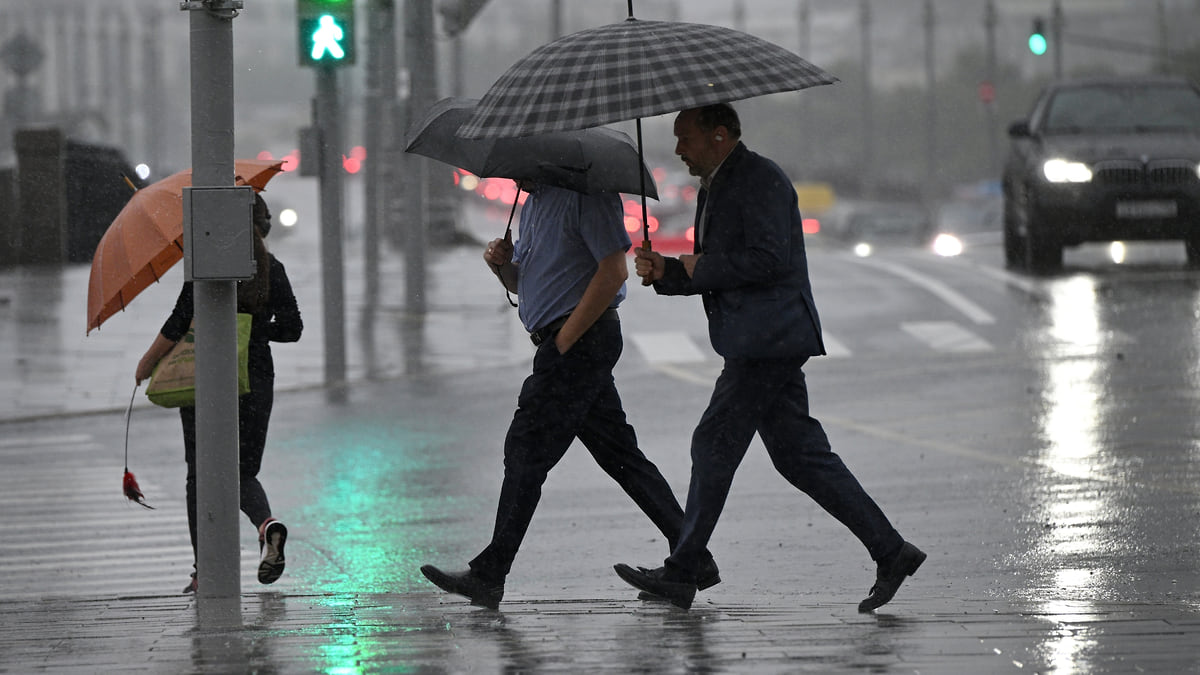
pixel 1064 171
pixel 947 245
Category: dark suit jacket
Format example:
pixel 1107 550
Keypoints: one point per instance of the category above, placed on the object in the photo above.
pixel 753 275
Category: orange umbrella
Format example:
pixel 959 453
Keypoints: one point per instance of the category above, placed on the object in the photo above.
pixel 146 239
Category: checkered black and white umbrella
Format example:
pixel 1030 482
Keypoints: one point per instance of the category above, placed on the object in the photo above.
pixel 631 70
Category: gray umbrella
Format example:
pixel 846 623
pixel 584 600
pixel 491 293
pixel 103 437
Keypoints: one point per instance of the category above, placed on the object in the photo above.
pixel 634 69
pixel 585 160
pixel 631 70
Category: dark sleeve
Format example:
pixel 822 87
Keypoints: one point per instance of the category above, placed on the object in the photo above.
pixel 180 320
pixel 286 325
pixel 675 280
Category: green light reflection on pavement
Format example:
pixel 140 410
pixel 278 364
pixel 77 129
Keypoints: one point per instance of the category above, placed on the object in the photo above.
pixel 378 503
pixel 376 498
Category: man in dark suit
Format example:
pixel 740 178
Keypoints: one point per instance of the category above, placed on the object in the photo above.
pixel 750 268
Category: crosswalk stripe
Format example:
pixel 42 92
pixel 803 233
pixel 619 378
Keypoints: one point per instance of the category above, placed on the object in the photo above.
pixel 834 347
pixel 67 529
pixel 946 336
pixel 667 347
pixel 39 441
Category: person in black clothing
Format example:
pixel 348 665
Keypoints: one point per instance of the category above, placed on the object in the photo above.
pixel 751 270
pixel 269 299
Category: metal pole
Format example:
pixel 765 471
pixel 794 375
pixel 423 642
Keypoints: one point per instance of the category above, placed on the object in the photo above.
pixel 930 107
pixel 868 140
pixel 1056 37
pixel 381 16
pixel 124 108
pixel 332 274
pixel 422 69
pixel 217 490
pixel 153 129
pixel 989 27
pixel 804 32
pixel 83 61
pixel 556 19
pixel 1166 64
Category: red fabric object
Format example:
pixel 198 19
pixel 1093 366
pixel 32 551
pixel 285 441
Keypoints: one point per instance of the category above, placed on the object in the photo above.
pixel 132 490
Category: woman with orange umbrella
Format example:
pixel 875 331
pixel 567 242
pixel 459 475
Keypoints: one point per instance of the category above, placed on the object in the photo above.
pixel 268 297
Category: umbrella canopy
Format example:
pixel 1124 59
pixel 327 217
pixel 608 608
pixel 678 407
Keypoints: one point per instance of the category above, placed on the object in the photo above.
pixel 586 160
pixel 146 239
pixel 634 69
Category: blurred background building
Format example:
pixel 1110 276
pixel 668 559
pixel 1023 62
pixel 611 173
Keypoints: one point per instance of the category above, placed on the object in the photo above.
pixel 928 86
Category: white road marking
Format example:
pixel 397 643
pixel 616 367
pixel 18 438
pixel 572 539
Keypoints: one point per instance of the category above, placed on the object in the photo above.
pixel 946 294
pixel 946 336
pixel 668 347
pixel 834 347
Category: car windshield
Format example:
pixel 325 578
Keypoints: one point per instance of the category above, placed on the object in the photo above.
pixel 887 222
pixel 1123 107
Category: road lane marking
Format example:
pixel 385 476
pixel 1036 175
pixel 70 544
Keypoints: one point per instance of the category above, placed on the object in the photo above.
pixel 943 292
pixel 946 336
pixel 1022 283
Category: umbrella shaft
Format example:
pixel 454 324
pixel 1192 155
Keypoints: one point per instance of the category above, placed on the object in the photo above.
pixel 642 174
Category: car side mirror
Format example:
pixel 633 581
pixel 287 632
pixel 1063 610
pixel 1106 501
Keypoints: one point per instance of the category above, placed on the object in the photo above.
pixel 1019 130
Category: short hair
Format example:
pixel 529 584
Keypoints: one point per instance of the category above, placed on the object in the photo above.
pixel 719 115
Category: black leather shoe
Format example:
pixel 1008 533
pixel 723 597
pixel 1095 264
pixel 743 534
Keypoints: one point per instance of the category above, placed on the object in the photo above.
pixel 889 577
pixel 467 584
pixel 707 577
pixel 657 582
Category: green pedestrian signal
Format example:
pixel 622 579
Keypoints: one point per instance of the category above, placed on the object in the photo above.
pixel 326 32
pixel 1037 38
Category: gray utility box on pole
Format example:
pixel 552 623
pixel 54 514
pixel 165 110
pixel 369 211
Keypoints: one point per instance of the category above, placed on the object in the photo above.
pixel 218 234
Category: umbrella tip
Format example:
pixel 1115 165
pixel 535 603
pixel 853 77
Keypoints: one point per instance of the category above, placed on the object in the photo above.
pixel 129 183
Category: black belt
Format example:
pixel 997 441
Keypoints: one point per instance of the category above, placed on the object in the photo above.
pixel 549 330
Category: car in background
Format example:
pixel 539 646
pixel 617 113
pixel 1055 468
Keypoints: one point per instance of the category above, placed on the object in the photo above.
pixel 867 225
pixel 1103 159
pixel 971 218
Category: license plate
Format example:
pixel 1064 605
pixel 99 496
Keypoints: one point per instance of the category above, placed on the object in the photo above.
pixel 1159 208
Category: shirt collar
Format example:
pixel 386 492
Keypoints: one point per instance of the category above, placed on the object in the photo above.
pixel 706 181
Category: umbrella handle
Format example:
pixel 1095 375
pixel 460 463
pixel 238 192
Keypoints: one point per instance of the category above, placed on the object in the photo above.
pixel 646 247
pixel 508 237
pixel 128 414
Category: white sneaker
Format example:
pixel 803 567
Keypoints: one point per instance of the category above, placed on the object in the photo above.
pixel 272 537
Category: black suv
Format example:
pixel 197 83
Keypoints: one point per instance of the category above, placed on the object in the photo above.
pixel 1103 160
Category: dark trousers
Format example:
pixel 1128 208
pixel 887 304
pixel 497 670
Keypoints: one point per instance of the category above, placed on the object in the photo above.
pixel 770 397
pixel 570 396
pixel 254 413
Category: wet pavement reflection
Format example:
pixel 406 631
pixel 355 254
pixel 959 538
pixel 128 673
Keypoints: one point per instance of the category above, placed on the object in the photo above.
pixel 1054 481
pixel 1111 498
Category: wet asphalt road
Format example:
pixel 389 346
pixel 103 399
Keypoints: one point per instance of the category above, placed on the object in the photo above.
pixel 1036 437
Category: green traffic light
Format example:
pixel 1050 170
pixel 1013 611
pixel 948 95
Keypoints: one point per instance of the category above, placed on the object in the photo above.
pixel 1037 37
pixel 1037 44
pixel 326 32
pixel 327 39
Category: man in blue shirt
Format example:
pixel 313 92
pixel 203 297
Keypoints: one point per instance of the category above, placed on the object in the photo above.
pixel 568 268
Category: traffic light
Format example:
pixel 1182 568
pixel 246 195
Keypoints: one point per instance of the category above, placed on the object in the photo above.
pixel 1037 37
pixel 326 32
